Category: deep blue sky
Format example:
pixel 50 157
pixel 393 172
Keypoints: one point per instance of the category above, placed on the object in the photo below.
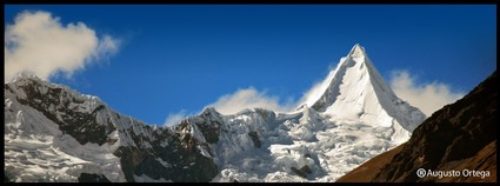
pixel 176 57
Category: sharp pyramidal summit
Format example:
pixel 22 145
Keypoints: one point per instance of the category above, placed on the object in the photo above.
pixel 53 133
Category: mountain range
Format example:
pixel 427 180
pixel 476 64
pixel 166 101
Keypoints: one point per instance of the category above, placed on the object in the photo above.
pixel 54 133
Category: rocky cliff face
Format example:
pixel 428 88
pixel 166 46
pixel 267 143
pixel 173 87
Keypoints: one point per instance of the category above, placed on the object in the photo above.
pixel 460 136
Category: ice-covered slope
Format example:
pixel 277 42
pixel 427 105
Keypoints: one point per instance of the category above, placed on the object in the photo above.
pixel 356 91
pixel 56 134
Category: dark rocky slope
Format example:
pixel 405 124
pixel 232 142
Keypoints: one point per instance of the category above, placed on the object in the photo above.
pixel 460 136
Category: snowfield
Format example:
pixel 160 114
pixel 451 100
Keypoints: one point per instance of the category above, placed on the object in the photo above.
pixel 349 118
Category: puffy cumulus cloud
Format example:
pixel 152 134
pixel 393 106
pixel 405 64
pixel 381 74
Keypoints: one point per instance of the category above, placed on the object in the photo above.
pixel 249 98
pixel 427 97
pixel 39 43
pixel 174 118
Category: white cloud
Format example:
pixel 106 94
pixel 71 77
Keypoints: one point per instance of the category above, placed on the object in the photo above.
pixel 427 97
pixel 174 118
pixel 249 98
pixel 39 43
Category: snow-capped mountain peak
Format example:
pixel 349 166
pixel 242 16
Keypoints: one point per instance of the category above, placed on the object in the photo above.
pixel 357 51
pixel 356 91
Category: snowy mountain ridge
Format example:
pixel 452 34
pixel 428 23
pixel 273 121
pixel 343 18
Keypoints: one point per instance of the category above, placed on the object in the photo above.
pixel 55 134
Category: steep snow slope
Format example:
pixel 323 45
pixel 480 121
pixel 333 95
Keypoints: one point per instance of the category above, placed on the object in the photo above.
pixel 56 134
pixel 356 91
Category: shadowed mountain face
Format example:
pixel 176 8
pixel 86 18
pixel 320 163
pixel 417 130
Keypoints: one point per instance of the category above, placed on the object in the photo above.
pixel 458 141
